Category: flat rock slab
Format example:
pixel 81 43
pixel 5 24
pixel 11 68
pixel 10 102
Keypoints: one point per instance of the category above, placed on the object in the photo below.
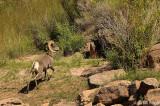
pixel 118 83
pixel 12 102
pixel 105 77
pixel 153 97
pixel 65 103
pixel 88 71
pixel 78 71
pixel 95 70
pixel 28 58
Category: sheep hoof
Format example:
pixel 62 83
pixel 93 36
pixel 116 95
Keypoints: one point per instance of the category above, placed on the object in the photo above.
pixel 37 88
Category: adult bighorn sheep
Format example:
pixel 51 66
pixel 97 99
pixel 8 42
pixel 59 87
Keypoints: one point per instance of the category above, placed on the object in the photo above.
pixel 40 66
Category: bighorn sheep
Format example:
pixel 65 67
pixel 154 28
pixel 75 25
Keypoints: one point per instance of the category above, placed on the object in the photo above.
pixel 40 66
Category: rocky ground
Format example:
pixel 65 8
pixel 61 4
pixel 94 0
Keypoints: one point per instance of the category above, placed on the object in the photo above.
pixel 106 91
pixel 93 84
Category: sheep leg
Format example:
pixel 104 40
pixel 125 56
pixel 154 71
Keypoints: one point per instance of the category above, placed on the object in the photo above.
pixel 35 79
pixel 36 83
pixel 46 75
pixel 51 67
pixel 28 87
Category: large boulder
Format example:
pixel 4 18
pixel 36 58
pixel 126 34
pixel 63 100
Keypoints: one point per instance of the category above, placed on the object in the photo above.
pixel 153 97
pixel 152 59
pixel 105 77
pixel 112 95
pixel 12 102
pixel 147 84
pixel 87 96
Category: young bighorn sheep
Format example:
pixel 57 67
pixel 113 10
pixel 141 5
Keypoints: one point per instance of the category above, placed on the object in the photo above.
pixel 40 66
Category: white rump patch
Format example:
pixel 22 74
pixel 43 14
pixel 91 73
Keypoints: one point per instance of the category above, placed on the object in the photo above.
pixel 36 65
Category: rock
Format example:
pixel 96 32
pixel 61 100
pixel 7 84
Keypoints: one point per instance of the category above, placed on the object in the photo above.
pixel 154 101
pixel 153 97
pixel 134 87
pixel 132 100
pixel 87 96
pixel 95 70
pixel 125 83
pixel 105 77
pixel 112 95
pixel 45 104
pixel 77 71
pixel 64 103
pixel 28 58
pixel 117 105
pixel 86 71
pixel 100 104
pixel 12 102
pixel 152 58
pixel 89 104
pixel 146 84
pixel 142 103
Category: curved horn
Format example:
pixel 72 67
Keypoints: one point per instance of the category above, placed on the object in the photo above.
pixel 50 43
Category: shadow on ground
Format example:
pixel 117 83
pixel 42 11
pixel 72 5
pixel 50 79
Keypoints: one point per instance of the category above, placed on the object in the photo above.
pixel 32 86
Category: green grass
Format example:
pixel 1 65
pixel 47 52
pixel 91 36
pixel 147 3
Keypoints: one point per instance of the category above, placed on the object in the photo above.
pixel 140 75
pixel 76 60
pixel 13 68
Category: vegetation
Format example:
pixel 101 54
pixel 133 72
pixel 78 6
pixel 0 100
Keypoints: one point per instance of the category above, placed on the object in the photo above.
pixel 68 39
pixel 62 84
pixel 25 22
pixel 27 25
pixel 140 75
pixel 122 30
pixel 128 27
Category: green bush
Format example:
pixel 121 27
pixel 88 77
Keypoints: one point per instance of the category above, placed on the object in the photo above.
pixel 68 39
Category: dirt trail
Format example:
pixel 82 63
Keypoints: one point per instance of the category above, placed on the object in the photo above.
pixel 11 90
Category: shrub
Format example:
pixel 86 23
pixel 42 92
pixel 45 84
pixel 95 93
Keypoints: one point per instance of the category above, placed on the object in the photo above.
pixel 128 28
pixel 68 39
